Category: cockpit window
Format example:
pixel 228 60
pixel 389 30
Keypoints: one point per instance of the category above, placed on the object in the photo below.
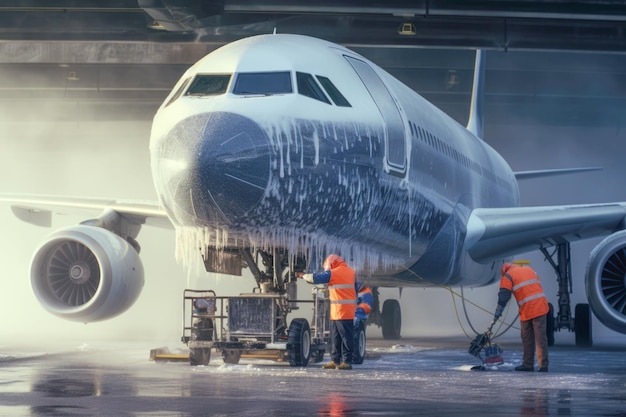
pixel 333 92
pixel 178 92
pixel 208 85
pixel 263 83
pixel 308 87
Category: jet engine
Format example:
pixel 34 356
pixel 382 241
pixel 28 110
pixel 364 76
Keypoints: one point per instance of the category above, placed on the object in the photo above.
pixel 86 273
pixel 605 281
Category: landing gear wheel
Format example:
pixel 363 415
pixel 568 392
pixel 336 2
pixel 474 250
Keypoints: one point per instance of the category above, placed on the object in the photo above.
pixel 582 326
pixel 359 344
pixel 199 356
pixel 550 325
pixel 391 319
pixel 231 356
pixel 299 340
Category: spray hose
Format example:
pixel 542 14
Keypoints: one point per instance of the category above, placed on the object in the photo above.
pixel 464 301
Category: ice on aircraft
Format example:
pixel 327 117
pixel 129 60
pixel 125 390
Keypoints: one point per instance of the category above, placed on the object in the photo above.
pixel 275 150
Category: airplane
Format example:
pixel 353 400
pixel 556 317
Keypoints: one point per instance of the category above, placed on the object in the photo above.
pixel 275 150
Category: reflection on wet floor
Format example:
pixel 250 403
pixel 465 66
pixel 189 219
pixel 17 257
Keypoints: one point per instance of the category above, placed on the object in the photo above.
pixel 395 380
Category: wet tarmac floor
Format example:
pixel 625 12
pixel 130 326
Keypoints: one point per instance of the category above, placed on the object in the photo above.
pixel 409 378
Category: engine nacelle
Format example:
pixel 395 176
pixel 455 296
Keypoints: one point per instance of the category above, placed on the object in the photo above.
pixel 605 281
pixel 86 273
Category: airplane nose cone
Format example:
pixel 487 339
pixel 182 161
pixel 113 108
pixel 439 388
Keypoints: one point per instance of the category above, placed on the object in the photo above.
pixel 233 164
pixel 214 168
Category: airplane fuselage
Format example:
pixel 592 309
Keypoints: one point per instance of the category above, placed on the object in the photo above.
pixel 249 150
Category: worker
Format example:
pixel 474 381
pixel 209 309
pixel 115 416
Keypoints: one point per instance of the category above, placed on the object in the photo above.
pixel 341 281
pixel 364 303
pixel 523 283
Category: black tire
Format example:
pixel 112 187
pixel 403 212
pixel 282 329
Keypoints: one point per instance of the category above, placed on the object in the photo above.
pixel 231 356
pixel 318 356
pixel 582 326
pixel 199 356
pixel 299 341
pixel 391 319
pixel 550 325
pixel 359 344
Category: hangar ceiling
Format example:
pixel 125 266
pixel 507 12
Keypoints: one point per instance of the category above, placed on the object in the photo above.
pixel 548 62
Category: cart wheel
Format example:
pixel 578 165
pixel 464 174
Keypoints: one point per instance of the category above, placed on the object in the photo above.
pixel 299 339
pixel 231 356
pixel 199 356
pixel 359 344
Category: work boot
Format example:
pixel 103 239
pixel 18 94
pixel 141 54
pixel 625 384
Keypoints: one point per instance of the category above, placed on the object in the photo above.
pixel 345 366
pixel 329 365
pixel 542 370
pixel 523 368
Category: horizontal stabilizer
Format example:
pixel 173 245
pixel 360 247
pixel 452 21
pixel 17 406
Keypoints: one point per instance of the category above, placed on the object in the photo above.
pixel 524 175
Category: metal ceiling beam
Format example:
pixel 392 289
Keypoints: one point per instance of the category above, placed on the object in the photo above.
pixel 103 52
pixel 540 9
pixel 592 25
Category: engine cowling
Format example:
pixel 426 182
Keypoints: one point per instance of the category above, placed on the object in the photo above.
pixel 86 274
pixel 605 281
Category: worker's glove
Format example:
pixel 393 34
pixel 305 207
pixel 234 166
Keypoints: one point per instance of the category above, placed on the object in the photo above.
pixel 308 278
pixel 498 312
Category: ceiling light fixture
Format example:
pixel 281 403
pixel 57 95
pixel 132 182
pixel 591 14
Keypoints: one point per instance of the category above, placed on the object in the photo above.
pixel 407 29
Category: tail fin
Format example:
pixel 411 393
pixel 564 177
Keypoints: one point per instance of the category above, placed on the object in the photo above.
pixel 475 122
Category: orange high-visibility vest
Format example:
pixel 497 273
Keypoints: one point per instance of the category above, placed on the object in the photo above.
pixel 524 283
pixel 342 293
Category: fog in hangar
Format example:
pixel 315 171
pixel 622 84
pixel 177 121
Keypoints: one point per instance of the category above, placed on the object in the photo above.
pixel 80 85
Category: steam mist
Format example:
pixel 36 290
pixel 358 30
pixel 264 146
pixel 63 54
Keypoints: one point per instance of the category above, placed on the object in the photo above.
pixel 109 158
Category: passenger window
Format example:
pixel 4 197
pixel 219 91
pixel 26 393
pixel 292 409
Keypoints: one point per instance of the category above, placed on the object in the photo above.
pixel 178 92
pixel 308 87
pixel 264 83
pixel 208 85
pixel 333 92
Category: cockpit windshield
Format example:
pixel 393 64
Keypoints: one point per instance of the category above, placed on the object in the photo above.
pixel 264 83
pixel 208 85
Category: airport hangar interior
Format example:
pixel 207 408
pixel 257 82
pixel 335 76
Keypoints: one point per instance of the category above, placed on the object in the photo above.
pixel 552 66
pixel 119 58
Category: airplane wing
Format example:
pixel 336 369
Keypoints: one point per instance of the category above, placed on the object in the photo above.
pixel 497 233
pixel 38 209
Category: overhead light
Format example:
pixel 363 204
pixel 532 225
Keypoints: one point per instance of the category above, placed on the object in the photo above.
pixel 407 29
pixel 72 76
